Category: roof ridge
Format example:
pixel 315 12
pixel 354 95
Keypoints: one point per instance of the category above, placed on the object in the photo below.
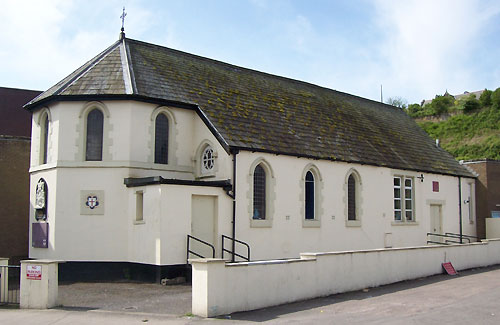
pixel 300 82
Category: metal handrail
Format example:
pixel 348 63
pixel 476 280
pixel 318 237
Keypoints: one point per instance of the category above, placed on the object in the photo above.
pixel 464 236
pixel 247 258
pixel 447 241
pixel 194 253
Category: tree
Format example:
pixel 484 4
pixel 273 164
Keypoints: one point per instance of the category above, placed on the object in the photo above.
pixel 441 104
pixel 495 98
pixel 471 104
pixel 415 110
pixel 397 101
pixel 485 98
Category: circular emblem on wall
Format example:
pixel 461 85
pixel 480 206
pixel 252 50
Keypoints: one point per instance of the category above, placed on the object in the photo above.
pixel 92 201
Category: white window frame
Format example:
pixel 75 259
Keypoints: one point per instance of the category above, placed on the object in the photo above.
pixel 403 199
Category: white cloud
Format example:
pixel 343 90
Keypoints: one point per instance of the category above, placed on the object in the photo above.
pixel 44 41
pixel 428 43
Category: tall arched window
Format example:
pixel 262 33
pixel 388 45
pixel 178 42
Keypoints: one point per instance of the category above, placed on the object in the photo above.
pixel 95 123
pixel 44 145
pixel 309 196
pixel 259 193
pixel 161 139
pixel 351 198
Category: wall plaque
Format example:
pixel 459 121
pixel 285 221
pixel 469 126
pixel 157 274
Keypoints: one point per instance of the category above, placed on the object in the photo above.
pixel 91 202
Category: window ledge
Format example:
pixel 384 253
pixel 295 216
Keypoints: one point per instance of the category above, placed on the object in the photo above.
pixel 404 223
pixel 261 223
pixel 206 175
pixel 353 223
pixel 139 222
pixel 311 223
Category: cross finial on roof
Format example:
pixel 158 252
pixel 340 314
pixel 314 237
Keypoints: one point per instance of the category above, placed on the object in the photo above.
pixel 122 34
pixel 123 19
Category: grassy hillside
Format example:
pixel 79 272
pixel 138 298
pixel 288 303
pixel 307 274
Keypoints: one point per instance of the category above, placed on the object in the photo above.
pixel 468 136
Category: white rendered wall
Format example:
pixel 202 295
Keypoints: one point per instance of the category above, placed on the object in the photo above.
pixel 161 238
pixel 287 237
pixel 127 152
pixel 220 288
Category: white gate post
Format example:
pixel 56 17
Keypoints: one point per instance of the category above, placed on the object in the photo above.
pixel 4 279
pixel 39 283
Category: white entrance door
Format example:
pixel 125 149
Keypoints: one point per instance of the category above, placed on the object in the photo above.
pixel 203 224
pixel 436 222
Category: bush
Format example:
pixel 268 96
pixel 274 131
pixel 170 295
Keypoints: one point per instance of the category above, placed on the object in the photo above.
pixel 495 98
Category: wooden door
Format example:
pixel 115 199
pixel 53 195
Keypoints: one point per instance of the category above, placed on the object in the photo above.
pixel 203 224
pixel 436 222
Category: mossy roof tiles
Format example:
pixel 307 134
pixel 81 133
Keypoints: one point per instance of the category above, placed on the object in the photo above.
pixel 258 111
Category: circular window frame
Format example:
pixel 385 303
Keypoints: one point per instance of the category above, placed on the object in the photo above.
pixel 207 160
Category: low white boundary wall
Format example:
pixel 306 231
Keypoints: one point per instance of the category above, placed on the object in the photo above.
pixel 222 288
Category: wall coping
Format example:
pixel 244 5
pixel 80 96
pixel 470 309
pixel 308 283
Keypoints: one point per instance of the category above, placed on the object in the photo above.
pixel 43 261
pixel 206 260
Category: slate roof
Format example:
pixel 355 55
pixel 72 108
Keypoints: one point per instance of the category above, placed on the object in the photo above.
pixel 256 111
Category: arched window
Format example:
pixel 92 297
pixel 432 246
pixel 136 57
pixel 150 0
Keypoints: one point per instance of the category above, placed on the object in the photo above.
pixel 44 145
pixel 351 198
pixel 207 160
pixel 259 193
pixel 95 123
pixel 309 196
pixel 161 139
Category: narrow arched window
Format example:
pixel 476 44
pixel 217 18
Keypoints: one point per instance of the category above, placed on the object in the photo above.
pixel 259 193
pixel 351 198
pixel 95 124
pixel 161 139
pixel 45 139
pixel 309 196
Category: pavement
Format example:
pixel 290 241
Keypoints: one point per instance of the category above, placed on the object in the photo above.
pixel 471 297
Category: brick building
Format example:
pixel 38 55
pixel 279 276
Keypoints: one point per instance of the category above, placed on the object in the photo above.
pixel 15 141
pixel 487 191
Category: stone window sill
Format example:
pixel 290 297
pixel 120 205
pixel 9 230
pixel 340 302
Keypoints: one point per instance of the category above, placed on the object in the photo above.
pixel 311 223
pixel 261 223
pixel 404 223
pixel 353 223
pixel 139 222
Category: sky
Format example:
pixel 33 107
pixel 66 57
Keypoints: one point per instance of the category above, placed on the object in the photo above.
pixel 415 49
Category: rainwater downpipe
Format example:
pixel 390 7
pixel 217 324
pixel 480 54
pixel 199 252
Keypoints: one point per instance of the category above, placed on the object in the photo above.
pixel 460 205
pixel 233 248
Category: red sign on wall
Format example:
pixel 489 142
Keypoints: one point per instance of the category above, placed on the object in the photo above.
pixel 34 272
pixel 435 186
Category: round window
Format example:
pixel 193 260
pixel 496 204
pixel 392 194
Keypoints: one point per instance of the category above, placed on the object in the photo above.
pixel 207 159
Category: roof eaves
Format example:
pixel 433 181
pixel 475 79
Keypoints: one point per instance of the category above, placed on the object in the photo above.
pixel 300 155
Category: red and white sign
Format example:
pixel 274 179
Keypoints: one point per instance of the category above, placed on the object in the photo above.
pixel 34 272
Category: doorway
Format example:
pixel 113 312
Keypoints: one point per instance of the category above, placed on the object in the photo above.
pixel 204 223
pixel 436 221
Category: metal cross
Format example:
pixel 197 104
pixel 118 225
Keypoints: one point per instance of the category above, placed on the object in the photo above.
pixel 123 18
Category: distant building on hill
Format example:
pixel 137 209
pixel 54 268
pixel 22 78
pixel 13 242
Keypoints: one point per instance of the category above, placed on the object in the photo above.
pixel 457 97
